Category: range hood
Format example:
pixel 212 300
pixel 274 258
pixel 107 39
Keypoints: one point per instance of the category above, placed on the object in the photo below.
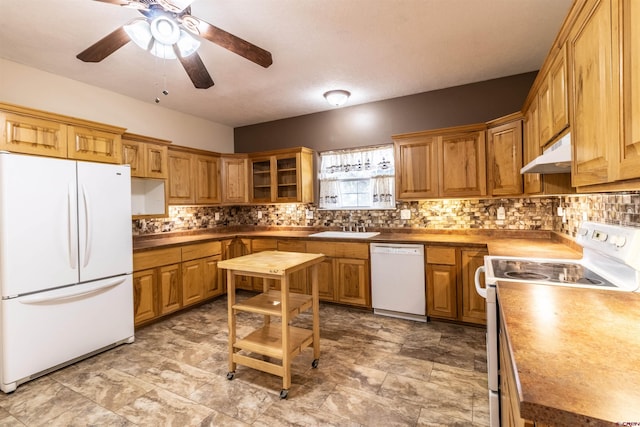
pixel 555 159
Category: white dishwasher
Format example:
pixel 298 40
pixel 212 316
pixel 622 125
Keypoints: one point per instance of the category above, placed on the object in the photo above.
pixel 398 281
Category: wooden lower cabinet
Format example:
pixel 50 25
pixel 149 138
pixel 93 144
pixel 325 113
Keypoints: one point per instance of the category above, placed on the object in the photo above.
pixel 442 292
pixel 192 281
pixel 170 289
pixel 442 282
pixel 213 278
pixel 343 277
pixel 352 276
pixel 167 280
pixel 509 397
pixel 299 281
pixel 451 292
pixel 239 247
pixel 473 305
pixel 326 282
pixel 145 284
pixel 199 271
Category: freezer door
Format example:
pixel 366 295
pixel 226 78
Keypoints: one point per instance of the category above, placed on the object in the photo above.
pixel 38 224
pixel 46 329
pixel 104 220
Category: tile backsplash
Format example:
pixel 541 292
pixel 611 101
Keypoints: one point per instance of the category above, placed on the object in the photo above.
pixel 534 213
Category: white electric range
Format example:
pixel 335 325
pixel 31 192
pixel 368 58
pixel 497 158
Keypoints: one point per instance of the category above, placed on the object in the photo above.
pixel 610 261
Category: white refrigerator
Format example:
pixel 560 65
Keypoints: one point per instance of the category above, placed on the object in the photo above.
pixel 65 263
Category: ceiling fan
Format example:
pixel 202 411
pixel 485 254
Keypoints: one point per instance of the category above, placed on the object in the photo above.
pixel 165 30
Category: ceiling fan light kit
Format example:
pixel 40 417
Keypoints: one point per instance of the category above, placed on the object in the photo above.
pixel 164 32
pixel 159 37
pixel 338 97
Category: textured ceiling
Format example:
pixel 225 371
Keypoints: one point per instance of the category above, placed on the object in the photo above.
pixel 377 49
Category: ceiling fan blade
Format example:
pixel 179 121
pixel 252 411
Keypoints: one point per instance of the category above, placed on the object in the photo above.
pixel 235 44
pixel 175 6
pixel 105 46
pixel 134 4
pixel 196 70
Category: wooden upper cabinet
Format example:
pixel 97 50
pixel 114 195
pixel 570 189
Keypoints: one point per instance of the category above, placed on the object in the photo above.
pixel 84 143
pixel 441 163
pixel 181 185
pixel 463 165
pixel 282 176
pixel 261 180
pixel 504 161
pixel 207 179
pixel 629 165
pixel 234 179
pixel 416 167
pixel 545 116
pixel 552 99
pixel 133 155
pixel 559 96
pixel 31 135
pixel 146 156
pixel 532 182
pixel 29 131
pixel 595 110
pixel 156 161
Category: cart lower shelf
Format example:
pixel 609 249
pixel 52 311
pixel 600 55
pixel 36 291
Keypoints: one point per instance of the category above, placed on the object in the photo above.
pixel 267 341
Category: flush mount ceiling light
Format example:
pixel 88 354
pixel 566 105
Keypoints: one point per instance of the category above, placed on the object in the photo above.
pixel 337 98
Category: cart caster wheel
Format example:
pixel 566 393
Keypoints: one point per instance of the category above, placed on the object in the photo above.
pixel 314 364
pixel 230 375
pixel 284 393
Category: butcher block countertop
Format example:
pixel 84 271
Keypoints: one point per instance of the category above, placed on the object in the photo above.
pixel 276 263
pixel 576 353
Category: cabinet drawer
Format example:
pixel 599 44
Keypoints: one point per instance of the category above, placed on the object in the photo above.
pixel 445 256
pixel 259 245
pixel 339 250
pixel 201 250
pixel 292 246
pixel 155 258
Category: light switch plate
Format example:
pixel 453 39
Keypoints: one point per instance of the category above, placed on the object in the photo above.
pixel 309 214
pixel 259 214
pixel 405 214
pixel 500 213
pixel 216 216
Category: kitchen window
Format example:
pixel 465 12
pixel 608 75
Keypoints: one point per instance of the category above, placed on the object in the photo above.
pixel 361 178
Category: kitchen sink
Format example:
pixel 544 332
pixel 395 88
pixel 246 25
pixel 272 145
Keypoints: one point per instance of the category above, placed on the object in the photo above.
pixel 346 234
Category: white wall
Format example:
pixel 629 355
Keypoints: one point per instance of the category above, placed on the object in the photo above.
pixel 33 88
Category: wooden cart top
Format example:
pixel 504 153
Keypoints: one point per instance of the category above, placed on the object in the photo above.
pixel 272 262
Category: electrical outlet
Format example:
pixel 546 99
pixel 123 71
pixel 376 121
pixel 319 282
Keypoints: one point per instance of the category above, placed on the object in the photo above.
pixel 560 211
pixel 259 214
pixel 405 214
pixel 309 214
pixel 500 214
pixel 216 216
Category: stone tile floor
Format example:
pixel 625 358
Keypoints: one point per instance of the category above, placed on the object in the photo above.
pixel 373 371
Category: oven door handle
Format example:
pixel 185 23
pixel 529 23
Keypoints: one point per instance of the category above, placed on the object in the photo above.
pixel 481 291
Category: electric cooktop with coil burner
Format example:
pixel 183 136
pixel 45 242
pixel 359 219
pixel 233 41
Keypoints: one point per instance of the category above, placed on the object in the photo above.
pixel 610 261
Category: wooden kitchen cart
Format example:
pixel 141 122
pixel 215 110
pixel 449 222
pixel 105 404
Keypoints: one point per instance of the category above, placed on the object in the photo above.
pixel 281 342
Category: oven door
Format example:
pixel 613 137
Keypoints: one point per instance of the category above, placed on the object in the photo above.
pixel 489 294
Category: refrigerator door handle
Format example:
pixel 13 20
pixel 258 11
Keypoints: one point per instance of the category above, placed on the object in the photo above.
pixel 72 292
pixel 71 232
pixel 87 222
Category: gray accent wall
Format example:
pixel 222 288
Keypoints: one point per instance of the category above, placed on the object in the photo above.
pixel 375 122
